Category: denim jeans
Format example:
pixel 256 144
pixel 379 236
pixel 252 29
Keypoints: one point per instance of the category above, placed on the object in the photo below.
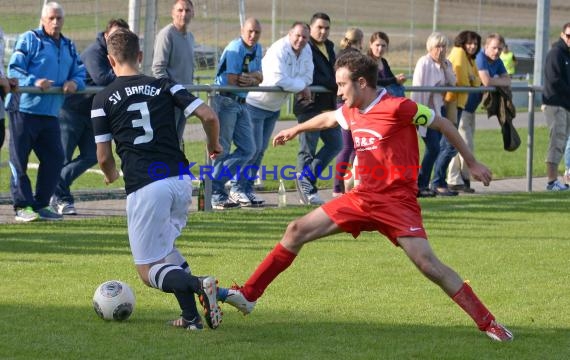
pixel 2 130
pixel 41 134
pixel 446 153
pixel 76 131
pixel 431 141
pixel 473 101
pixel 235 126
pixel 308 159
pixel 567 154
pixel 263 122
pixel 345 157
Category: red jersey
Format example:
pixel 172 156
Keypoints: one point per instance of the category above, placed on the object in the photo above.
pixel 386 143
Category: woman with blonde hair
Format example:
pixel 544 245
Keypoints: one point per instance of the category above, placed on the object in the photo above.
pixel 352 39
pixel 432 69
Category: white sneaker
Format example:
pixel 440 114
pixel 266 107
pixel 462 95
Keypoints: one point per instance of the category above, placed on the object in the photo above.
pixel 66 208
pixel 567 176
pixel 557 186
pixel 236 299
pixel 226 204
pixel 240 198
pixel 255 200
pixel 303 187
pixel 26 214
pixel 315 199
pixel 62 207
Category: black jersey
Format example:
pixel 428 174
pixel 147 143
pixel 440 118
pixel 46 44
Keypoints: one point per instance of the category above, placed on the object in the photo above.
pixel 138 113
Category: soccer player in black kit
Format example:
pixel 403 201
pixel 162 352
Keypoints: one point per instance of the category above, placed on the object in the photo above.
pixel 137 112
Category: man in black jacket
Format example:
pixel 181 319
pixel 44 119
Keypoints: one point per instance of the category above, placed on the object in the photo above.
pixel 75 120
pixel 310 163
pixel 557 105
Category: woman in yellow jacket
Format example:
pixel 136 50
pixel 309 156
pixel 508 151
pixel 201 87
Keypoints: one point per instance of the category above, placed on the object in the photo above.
pixel 462 57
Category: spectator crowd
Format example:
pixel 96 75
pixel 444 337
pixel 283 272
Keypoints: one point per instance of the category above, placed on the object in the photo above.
pixel 54 125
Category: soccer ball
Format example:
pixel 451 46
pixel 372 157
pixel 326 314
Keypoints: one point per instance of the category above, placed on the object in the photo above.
pixel 114 300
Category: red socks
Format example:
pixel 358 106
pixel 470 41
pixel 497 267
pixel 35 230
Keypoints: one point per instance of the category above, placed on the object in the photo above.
pixel 274 263
pixel 471 304
pixel 280 259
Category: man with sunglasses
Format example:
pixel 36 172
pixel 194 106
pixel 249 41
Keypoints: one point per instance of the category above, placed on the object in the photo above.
pixel 557 106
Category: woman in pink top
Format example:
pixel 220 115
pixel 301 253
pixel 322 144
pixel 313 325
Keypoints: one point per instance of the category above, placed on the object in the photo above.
pixel 432 69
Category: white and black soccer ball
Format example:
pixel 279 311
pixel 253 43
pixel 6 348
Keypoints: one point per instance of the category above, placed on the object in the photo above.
pixel 114 300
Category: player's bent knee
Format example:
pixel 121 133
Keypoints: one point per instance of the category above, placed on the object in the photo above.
pixel 143 274
pixel 296 233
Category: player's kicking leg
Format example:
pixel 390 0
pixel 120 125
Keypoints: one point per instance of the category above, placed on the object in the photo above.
pixel 208 299
pixel 207 296
pixel 421 254
pixel 235 298
pixel 173 279
pixel 312 226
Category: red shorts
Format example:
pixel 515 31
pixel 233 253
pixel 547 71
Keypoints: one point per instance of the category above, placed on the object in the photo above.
pixel 394 215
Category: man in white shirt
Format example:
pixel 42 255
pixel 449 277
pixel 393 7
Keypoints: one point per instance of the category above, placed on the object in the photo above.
pixel 288 63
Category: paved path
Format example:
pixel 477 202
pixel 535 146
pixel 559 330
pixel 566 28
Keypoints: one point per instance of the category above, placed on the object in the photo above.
pixel 89 209
pixel 91 204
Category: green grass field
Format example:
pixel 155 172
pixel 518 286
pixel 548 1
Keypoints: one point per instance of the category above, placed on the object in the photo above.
pixel 342 298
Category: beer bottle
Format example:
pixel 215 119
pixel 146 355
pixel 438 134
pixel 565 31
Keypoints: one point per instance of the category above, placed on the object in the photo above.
pixel 201 196
pixel 245 65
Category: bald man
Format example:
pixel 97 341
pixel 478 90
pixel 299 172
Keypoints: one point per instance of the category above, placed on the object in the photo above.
pixel 239 65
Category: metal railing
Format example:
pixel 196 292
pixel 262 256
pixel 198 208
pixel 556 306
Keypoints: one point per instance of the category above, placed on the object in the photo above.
pixel 212 90
pixel 531 89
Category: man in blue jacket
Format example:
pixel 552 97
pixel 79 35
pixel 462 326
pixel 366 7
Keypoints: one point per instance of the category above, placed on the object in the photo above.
pixel 42 58
pixel 75 120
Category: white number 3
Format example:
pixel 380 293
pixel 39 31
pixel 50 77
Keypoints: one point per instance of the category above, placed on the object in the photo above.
pixel 144 122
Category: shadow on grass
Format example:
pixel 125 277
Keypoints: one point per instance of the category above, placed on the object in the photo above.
pixel 244 230
pixel 109 235
pixel 76 332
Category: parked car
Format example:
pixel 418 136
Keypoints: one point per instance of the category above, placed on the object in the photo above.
pixel 205 56
pixel 9 43
pixel 524 53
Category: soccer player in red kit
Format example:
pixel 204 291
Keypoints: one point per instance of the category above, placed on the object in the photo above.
pixel 384 132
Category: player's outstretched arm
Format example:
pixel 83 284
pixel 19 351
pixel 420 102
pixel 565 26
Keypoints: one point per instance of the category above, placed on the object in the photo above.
pixel 324 120
pixel 479 171
pixel 107 162
pixel 211 125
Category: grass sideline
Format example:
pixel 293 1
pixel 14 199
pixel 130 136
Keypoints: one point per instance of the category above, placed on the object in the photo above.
pixel 342 298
